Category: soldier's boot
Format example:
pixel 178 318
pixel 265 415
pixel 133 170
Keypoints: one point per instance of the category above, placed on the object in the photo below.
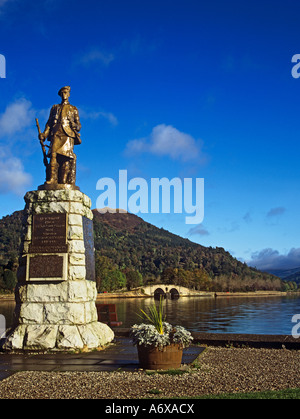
pixel 65 172
pixel 72 170
pixel 53 172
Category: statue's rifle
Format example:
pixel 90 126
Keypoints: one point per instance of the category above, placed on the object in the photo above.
pixel 42 143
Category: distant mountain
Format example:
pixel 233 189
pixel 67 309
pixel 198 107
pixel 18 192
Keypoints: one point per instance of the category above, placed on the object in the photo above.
pixel 130 241
pixel 127 241
pixel 285 274
pixel 295 277
pixel 281 273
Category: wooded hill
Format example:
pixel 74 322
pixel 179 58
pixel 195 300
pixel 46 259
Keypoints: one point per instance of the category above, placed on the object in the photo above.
pixel 132 252
pixel 159 255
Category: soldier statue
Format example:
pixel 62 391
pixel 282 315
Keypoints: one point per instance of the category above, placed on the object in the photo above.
pixel 62 130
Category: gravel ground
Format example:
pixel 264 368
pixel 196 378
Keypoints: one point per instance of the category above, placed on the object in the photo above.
pixel 219 370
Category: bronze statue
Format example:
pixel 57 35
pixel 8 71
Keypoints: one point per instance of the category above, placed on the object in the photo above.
pixel 62 130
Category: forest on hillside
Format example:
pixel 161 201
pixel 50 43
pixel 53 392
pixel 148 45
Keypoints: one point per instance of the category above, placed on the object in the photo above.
pixel 126 242
pixel 130 252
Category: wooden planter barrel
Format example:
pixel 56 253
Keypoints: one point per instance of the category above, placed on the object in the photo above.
pixel 152 358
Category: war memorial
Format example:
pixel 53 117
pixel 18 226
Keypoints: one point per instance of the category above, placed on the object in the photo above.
pixel 56 312
pixel 56 291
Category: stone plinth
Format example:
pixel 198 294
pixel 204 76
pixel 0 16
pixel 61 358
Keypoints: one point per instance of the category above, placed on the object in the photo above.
pixel 56 291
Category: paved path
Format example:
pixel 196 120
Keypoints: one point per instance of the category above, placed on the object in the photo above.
pixel 120 355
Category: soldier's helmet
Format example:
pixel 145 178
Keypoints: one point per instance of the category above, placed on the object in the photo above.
pixel 68 88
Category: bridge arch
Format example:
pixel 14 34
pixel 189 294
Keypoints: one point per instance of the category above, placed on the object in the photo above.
pixel 174 293
pixel 159 293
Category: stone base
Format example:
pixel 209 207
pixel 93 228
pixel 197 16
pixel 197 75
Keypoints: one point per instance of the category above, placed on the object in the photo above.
pixel 42 337
pixel 57 317
pixel 57 313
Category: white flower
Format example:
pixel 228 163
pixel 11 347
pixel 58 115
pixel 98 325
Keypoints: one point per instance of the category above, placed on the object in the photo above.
pixel 146 334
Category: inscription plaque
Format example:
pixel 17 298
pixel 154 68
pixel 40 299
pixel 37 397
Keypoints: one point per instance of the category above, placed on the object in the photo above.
pixel 49 233
pixel 49 266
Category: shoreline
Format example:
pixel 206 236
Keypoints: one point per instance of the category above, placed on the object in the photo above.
pixel 255 294
pixel 249 340
pixel 135 294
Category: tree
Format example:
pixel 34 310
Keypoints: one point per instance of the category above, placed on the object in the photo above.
pixel 116 280
pixel 169 276
pixel 184 278
pixel 9 279
pixel 2 284
pixel 133 278
pixel 108 275
pixel 201 280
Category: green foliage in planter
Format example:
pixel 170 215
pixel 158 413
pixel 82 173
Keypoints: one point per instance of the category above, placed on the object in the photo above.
pixel 155 316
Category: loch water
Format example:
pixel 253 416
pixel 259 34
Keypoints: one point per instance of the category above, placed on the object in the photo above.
pixel 251 315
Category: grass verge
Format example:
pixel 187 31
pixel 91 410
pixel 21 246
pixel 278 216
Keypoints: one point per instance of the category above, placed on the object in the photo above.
pixel 291 393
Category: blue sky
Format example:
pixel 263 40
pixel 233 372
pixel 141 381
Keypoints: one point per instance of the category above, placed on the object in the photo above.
pixel 212 77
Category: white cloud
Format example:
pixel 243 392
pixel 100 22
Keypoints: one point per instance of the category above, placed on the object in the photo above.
pixel 95 55
pixel 17 116
pixel 137 146
pixel 267 259
pixel 13 178
pixel 99 114
pixel 165 140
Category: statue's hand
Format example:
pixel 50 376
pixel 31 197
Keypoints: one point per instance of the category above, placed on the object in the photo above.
pixel 74 126
pixel 42 137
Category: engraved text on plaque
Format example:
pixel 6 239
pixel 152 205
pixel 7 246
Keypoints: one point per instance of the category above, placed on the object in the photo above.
pixel 46 266
pixel 49 233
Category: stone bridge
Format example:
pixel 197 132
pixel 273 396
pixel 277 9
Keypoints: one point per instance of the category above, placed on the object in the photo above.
pixel 169 291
